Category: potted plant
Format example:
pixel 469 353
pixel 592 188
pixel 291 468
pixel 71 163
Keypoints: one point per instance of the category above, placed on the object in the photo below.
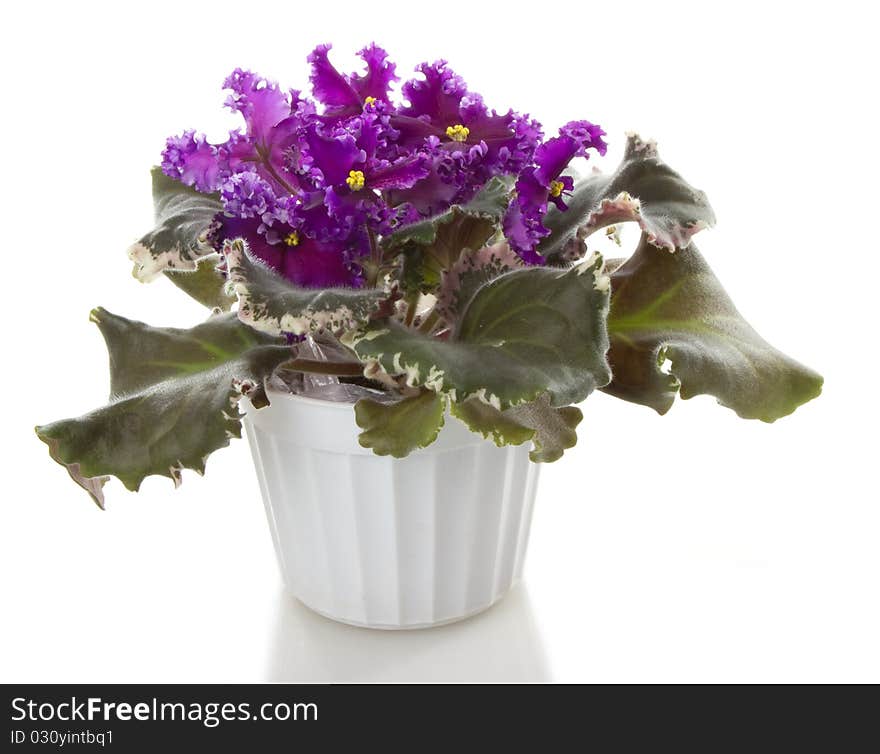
pixel 407 305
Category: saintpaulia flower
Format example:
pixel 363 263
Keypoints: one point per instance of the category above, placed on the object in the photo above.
pixel 342 161
pixel 290 250
pixel 192 160
pixel 272 118
pixel 470 143
pixel 313 184
pixel 347 95
pixel 542 183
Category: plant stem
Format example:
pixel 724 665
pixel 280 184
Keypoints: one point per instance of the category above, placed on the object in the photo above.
pixel 264 160
pixel 375 259
pixel 410 312
pixel 316 366
pixel 429 322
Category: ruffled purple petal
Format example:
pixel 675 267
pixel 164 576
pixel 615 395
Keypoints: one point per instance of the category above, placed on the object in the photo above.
pixel 260 101
pixel 376 82
pixel 402 174
pixel 310 263
pixel 589 134
pixel 315 265
pixel 509 139
pixel 192 160
pixel 329 86
pixel 521 234
pixel 347 210
pixel 413 132
pixel 574 139
pixel 374 134
pixel 247 195
pixel 567 185
pixel 328 155
pixel 437 97
pixel 431 195
pixel 229 228
pixel 535 189
pixel 523 222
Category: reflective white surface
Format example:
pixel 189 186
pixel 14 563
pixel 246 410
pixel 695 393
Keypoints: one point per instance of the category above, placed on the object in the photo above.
pixel 685 548
pixel 501 645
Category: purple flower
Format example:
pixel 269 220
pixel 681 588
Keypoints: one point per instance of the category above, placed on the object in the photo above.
pixel 441 106
pixel 247 195
pixel 470 143
pixel 272 119
pixel 342 161
pixel 311 186
pixel 192 160
pixel 303 260
pixel 437 97
pixel 346 95
pixel 543 183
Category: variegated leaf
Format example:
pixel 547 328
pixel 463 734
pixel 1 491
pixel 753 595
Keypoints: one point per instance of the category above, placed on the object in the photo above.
pixel 183 217
pixel 432 246
pixel 552 430
pixel 173 401
pixel 643 189
pixel 206 284
pixel 269 303
pixel 397 429
pixel 470 271
pixel 489 204
pixel 669 310
pixel 528 332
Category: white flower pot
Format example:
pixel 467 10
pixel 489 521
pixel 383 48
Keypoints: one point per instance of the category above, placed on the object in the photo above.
pixel 383 542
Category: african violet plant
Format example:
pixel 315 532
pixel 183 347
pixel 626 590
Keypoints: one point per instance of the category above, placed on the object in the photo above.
pixel 440 249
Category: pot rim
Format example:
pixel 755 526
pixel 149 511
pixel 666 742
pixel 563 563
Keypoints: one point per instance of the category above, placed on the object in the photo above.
pixel 287 395
pixel 332 425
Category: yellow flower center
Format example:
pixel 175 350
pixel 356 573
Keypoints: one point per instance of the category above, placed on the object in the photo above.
pixel 457 132
pixel 369 100
pixel 556 188
pixel 292 238
pixel 355 180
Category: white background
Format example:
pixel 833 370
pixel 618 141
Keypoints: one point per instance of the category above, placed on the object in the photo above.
pixel 692 547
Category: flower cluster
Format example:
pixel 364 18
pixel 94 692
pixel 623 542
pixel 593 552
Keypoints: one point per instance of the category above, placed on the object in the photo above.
pixel 312 184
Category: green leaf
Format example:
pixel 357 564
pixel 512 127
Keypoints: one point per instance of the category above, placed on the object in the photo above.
pixel 183 217
pixel 433 245
pixel 670 307
pixel 206 285
pixel 471 271
pixel 174 396
pixel 490 204
pixel 525 333
pixel 269 303
pixel 643 189
pixel 397 429
pixel 552 430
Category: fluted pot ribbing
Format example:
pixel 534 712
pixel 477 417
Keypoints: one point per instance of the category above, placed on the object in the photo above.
pixel 383 542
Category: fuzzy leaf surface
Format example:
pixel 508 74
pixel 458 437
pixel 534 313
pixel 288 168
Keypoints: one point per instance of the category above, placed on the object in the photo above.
pixel 177 242
pixel 552 430
pixel 205 284
pixel 643 189
pixel 671 307
pixel 432 246
pixel 528 332
pixel 274 305
pixel 397 429
pixel 174 396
